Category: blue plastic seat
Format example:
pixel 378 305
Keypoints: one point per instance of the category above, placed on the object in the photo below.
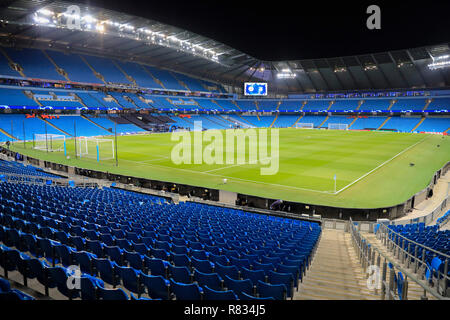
pixel 210 294
pixel 115 254
pixel 276 291
pixel 184 291
pixel 89 287
pixel 141 248
pixel 135 260
pixel 181 260
pixel 212 280
pixel 156 267
pixel 231 271
pixel 239 286
pixel 180 274
pixel 263 266
pixel 96 247
pixel 106 269
pixel 84 260
pixel 253 275
pixel 223 260
pixel 157 286
pixel 131 279
pixel 282 278
pixel 204 266
pixel 65 254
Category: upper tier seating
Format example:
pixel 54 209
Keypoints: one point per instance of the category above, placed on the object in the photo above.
pixel 317 105
pixel 439 104
pixel 166 78
pixel 107 69
pixel 342 104
pixel 375 104
pixel 139 74
pixel 75 68
pixel 34 63
pixel 409 104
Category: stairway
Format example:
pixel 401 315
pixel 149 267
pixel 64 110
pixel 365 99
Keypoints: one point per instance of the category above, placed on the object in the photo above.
pixel 446 130
pixel 97 74
pixel 54 126
pixel 392 104
pixel 384 122
pixel 331 104
pixel 154 78
pixel 360 103
pixel 279 104
pixel 351 123
pixel 31 96
pixel 335 272
pixel 234 102
pixel 61 71
pixel 303 104
pixel 296 121
pixel 15 66
pixel 418 124
pixel 129 78
pixel 427 104
pixel 323 122
pixel 415 292
pixel 8 134
pixel 95 123
pixel 274 120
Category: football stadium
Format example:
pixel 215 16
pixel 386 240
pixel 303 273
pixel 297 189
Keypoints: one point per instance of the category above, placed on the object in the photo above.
pixel 143 161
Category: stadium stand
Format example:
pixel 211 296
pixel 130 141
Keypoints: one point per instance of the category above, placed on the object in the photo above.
pixel 15 97
pixel 62 225
pixel 439 104
pixel 75 68
pixel 34 63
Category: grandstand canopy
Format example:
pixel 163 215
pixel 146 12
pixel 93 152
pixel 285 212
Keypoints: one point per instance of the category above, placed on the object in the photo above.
pixel 44 24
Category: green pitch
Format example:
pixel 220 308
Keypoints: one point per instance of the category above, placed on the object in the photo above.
pixel 372 168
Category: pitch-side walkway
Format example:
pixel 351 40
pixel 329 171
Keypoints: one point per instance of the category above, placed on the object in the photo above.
pixel 426 207
pixel 335 272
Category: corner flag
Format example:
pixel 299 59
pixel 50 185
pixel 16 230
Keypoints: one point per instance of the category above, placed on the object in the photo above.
pixel 335 179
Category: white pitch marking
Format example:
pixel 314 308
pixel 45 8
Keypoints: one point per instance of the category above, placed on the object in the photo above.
pixel 366 174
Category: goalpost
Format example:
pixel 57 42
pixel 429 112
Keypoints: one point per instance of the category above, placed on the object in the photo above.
pixel 49 142
pixel 338 126
pixel 303 125
pixel 96 148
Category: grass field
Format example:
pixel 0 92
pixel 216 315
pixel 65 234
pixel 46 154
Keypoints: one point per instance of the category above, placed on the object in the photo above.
pixel 372 168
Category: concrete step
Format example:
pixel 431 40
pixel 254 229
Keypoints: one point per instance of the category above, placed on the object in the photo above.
pixel 335 272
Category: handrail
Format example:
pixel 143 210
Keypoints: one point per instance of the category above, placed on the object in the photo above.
pixel 412 241
pixel 367 256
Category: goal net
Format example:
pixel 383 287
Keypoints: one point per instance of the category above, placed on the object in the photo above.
pixel 49 142
pixel 302 125
pixel 338 126
pixel 95 148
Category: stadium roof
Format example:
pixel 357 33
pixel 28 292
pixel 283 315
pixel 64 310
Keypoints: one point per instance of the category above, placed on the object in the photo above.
pixel 45 23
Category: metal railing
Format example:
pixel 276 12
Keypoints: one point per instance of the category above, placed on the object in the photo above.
pixel 401 248
pixel 387 271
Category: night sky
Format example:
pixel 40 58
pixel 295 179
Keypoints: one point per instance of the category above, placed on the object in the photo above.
pixel 289 30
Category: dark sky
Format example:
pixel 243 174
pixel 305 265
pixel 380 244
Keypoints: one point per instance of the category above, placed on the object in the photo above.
pixel 284 30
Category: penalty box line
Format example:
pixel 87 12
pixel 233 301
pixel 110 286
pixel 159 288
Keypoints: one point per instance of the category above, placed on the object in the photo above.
pixel 381 165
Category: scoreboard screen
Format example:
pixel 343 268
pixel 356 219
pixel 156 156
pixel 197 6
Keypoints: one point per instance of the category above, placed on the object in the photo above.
pixel 255 89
